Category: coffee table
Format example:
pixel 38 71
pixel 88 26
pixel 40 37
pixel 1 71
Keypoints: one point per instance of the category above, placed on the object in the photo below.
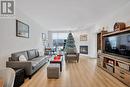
pixel 57 60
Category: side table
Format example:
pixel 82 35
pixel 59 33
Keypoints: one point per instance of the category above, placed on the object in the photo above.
pixel 19 77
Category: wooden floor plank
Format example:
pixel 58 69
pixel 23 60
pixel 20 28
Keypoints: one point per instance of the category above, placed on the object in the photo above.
pixel 82 74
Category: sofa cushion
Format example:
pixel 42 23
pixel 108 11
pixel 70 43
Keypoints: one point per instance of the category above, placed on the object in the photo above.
pixel 31 54
pixel 15 56
pixel 36 52
pixel 41 53
pixel 37 61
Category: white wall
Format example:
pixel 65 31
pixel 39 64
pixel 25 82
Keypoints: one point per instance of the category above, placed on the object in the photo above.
pixel 91 40
pixel 78 43
pixel 120 15
pixel 93 43
pixel 9 43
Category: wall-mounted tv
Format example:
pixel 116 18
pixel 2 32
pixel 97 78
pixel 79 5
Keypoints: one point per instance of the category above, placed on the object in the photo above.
pixel 118 45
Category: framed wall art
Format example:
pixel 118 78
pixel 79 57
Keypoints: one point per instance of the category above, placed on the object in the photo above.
pixel 44 39
pixel 22 29
pixel 43 36
pixel 83 37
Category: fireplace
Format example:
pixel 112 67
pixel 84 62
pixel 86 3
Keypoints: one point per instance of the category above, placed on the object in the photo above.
pixel 84 49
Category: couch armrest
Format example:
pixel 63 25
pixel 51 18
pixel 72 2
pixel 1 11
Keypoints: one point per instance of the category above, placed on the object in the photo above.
pixel 27 66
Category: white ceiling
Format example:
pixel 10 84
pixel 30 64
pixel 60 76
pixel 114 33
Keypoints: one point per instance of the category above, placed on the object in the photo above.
pixel 66 14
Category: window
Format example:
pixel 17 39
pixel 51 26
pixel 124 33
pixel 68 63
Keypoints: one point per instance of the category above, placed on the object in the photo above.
pixel 59 39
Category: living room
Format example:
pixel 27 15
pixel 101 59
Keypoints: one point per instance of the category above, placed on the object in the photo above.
pixel 84 19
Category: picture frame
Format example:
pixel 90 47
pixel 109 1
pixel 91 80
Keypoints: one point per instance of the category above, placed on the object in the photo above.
pixel 43 36
pixel 22 29
pixel 83 37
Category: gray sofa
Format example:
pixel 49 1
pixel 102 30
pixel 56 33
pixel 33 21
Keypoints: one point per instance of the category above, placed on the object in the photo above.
pixel 33 63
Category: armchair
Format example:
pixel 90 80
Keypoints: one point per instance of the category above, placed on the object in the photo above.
pixel 71 55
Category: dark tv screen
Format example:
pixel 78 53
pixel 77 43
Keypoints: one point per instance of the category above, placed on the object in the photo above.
pixel 118 45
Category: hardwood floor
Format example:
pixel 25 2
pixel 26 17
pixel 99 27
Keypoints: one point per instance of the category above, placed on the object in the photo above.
pixel 82 74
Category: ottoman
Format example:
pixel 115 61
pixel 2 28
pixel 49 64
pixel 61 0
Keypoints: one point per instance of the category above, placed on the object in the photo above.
pixel 53 71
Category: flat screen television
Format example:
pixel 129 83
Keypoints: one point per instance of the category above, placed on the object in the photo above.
pixel 118 45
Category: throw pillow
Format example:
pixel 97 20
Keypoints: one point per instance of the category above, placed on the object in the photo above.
pixel 22 58
pixel 41 53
